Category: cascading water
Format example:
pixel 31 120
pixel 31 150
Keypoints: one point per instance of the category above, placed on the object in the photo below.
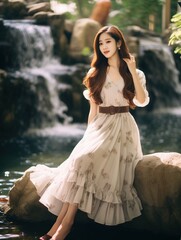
pixel 32 44
pixel 31 59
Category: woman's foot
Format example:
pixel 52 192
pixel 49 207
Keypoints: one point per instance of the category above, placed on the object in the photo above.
pixel 59 220
pixel 63 224
pixel 67 222
pixel 45 237
pixel 62 232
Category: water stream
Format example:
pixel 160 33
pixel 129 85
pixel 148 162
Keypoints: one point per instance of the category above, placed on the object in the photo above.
pixel 32 61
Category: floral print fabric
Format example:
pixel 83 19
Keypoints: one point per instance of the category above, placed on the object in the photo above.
pixel 99 173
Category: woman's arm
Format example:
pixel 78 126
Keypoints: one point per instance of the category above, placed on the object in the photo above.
pixel 93 111
pixel 139 90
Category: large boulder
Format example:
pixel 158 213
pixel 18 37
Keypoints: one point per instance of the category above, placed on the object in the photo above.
pixel 23 202
pixel 157 181
pixel 83 34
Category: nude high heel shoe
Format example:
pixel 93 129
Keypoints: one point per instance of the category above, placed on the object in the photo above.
pixel 45 237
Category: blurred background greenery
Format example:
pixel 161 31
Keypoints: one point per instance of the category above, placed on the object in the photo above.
pixel 146 14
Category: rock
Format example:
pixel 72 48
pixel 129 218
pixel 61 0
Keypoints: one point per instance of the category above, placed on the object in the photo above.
pixel 82 38
pixel 100 11
pixel 15 89
pixel 41 18
pixel 6 51
pixel 3 74
pixel 29 207
pixel 14 9
pixel 39 7
pixel 167 81
pixel 158 184
pixel 57 22
pixel 141 32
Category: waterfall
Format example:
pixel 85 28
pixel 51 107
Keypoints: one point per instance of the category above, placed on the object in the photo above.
pixel 40 91
pixel 159 66
pixel 31 55
pixel 58 107
pixel 32 44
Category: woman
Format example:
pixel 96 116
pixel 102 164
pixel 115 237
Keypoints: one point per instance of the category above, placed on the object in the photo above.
pixel 97 178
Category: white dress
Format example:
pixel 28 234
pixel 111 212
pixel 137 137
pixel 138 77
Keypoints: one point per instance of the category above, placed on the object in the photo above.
pixel 98 175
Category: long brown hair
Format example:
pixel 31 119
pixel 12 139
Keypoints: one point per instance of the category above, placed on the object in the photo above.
pixel 95 80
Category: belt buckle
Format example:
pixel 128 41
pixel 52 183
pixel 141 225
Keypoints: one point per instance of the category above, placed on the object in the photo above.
pixel 111 110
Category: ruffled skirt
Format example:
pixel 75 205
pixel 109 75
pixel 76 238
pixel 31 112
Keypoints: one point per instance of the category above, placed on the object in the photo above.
pixel 99 173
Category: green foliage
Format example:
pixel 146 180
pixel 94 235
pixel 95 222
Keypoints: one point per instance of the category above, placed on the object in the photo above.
pixel 175 37
pixel 137 12
pixel 125 12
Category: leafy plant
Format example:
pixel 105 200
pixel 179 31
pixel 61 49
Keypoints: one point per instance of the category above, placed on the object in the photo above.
pixel 128 12
pixel 175 37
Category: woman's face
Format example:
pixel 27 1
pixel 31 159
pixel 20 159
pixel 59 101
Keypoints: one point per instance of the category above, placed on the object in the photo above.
pixel 107 45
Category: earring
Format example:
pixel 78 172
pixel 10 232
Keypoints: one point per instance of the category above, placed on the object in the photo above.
pixel 119 48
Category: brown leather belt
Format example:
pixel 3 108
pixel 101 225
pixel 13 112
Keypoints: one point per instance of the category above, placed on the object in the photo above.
pixel 113 110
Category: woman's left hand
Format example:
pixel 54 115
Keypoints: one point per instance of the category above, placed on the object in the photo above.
pixel 131 63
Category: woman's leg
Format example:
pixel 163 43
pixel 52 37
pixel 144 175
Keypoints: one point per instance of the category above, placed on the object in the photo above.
pixel 66 224
pixel 58 220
